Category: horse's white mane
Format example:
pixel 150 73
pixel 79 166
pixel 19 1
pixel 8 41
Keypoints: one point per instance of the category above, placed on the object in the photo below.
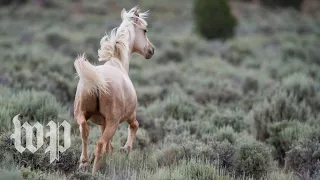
pixel 116 44
pixel 131 15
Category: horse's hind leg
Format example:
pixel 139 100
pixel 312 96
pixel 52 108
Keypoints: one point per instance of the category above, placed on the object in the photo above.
pixel 109 146
pixel 84 132
pixel 132 129
pixel 110 129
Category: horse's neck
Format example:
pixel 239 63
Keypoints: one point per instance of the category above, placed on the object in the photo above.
pixel 122 59
pixel 114 62
pixel 122 64
pixel 125 60
pixel 125 64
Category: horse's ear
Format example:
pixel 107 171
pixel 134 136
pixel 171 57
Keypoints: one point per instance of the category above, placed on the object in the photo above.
pixel 136 12
pixel 123 13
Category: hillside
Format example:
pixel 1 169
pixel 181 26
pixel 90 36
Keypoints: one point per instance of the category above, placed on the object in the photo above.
pixel 242 108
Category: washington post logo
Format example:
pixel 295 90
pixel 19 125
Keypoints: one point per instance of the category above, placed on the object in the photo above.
pixel 54 147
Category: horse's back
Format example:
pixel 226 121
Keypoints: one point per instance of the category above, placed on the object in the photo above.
pixel 118 103
pixel 121 99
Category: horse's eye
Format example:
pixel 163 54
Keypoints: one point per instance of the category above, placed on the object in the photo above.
pixel 145 31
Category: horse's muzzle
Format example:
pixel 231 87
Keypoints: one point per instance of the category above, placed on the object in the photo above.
pixel 150 53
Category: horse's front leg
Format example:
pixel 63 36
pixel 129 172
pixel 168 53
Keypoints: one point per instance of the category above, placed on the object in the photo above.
pixel 132 129
pixel 84 132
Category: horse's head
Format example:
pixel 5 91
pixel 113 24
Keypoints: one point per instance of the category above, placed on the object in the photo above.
pixel 137 26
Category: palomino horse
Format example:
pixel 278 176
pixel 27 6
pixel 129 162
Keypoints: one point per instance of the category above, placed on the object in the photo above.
pixel 105 93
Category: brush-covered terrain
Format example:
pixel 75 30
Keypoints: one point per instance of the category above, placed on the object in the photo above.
pixel 243 108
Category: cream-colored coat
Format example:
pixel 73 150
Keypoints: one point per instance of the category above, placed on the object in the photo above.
pixel 105 93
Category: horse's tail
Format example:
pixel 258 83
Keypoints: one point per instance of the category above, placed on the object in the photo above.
pixel 90 75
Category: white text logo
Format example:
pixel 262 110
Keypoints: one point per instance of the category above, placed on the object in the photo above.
pixel 54 147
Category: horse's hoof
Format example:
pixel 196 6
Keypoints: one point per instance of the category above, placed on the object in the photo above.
pixel 125 149
pixel 83 167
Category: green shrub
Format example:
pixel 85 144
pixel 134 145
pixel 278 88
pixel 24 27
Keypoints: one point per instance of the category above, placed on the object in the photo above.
pixel 316 174
pixel 291 50
pixel 155 128
pixel 163 76
pixel 281 175
pixel 222 154
pixel 56 40
pixel 200 170
pixel 226 134
pixel 217 94
pixel 313 53
pixel 165 173
pixel 189 44
pixel 142 139
pixel 126 165
pixel 201 128
pixel 179 108
pixel 82 176
pixel 304 158
pixel 171 53
pixel 26 173
pixel 39 71
pixel 170 155
pixel 191 169
pixel 40 160
pixel 281 106
pixel 252 158
pixel 214 18
pixel 68 160
pixel 147 95
pixel 302 86
pixel 284 134
pixel 31 105
pixel 250 84
pixel 236 52
pixel 12 175
pixel 227 117
pixel 176 105
pixel 241 49
pixel 282 3
pixel 304 89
